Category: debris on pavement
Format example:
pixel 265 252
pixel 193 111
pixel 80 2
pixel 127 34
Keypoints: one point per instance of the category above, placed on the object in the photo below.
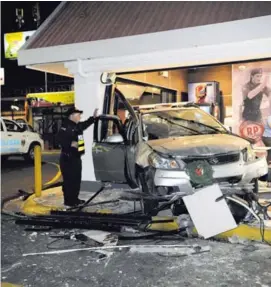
pixel 33 236
pixel 102 237
pixel 170 249
pixel 238 240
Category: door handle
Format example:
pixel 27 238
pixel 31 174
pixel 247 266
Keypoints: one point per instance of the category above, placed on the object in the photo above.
pixel 9 135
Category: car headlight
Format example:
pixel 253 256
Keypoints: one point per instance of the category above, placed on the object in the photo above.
pixel 248 154
pixel 158 161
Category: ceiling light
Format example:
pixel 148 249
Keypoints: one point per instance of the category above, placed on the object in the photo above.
pixel 242 68
pixel 164 74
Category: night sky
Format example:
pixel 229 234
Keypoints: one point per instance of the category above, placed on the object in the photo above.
pixel 19 77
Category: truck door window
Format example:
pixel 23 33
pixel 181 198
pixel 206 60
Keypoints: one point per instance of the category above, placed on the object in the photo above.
pixel 106 128
pixel 120 109
pixel 126 118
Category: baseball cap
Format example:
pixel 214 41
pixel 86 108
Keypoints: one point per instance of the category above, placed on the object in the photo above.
pixel 73 111
pixel 256 71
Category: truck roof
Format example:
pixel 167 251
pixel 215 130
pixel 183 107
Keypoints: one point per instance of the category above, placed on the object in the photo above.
pixel 148 111
pixel 164 107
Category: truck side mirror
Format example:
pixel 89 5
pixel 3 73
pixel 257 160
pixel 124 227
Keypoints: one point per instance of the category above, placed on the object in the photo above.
pixel 116 138
pixel 108 128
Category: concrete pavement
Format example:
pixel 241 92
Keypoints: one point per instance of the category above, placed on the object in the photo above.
pixel 226 265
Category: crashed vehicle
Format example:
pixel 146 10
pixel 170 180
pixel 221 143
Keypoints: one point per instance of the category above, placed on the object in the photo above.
pixel 174 151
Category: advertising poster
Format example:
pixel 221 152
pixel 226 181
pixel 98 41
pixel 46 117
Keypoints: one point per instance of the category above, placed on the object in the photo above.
pixel 202 93
pixel 251 101
pixel 13 42
pixel 51 99
pixel 206 95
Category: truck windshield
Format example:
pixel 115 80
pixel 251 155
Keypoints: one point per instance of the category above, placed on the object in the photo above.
pixel 179 122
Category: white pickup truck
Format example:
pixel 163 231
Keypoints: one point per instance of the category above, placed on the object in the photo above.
pixel 18 140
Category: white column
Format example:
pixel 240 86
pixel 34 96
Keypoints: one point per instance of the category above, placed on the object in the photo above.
pixel 89 95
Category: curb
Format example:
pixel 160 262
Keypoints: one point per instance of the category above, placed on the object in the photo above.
pixel 246 232
pixel 56 177
pixel 48 152
pixel 32 207
pixel 6 284
pixel 242 232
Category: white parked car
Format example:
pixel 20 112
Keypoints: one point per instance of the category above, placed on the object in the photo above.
pixel 18 140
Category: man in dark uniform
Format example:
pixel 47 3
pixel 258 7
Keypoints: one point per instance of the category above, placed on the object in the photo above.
pixel 70 138
pixel 253 92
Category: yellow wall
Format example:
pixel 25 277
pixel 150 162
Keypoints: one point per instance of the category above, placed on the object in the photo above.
pixel 177 80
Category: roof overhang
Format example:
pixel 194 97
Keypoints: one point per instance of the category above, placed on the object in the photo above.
pixel 209 44
pixel 53 68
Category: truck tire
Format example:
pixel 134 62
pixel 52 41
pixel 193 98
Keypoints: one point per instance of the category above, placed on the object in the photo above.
pixel 256 186
pixel 239 213
pixel 148 204
pixel 29 157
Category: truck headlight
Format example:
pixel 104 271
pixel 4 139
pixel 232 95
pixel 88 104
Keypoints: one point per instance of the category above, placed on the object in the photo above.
pixel 158 161
pixel 248 154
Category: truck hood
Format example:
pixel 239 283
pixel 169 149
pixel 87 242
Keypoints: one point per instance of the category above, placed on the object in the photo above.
pixel 199 145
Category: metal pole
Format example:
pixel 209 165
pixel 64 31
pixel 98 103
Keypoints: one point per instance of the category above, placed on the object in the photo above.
pixel 46 88
pixel 37 170
pixel 30 115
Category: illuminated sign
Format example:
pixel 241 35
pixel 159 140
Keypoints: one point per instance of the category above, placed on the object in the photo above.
pixel 13 42
pixel 53 98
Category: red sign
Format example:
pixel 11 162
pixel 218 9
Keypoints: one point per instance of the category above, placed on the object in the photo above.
pixel 201 94
pixel 251 130
pixel 40 103
pixel 199 171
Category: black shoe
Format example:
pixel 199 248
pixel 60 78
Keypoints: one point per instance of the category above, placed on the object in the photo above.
pixel 70 204
pixel 75 203
pixel 80 201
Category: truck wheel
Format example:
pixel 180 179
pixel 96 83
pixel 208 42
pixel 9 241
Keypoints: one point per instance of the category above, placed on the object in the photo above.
pixel 148 204
pixel 29 157
pixel 239 213
pixel 256 186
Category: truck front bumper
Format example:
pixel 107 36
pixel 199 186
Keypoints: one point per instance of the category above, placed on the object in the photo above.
pixel 245 171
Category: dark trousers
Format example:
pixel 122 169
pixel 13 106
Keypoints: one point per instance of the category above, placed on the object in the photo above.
pixel 71 169
pixel 267 142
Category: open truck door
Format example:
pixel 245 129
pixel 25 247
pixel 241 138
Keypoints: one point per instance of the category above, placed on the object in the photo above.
pixel 109 149
pixel 114 148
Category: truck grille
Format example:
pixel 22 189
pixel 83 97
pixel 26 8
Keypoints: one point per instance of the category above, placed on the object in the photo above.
pixel 217 159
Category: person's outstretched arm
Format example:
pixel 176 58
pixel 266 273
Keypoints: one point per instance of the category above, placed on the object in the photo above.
pixel 258 89
pixel 85 124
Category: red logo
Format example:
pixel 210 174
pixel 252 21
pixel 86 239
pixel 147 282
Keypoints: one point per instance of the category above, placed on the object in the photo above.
pixel 201 94
pixel 251 130
pixel 199 171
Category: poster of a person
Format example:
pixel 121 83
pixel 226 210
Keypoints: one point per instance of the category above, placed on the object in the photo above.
pixel 251 94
